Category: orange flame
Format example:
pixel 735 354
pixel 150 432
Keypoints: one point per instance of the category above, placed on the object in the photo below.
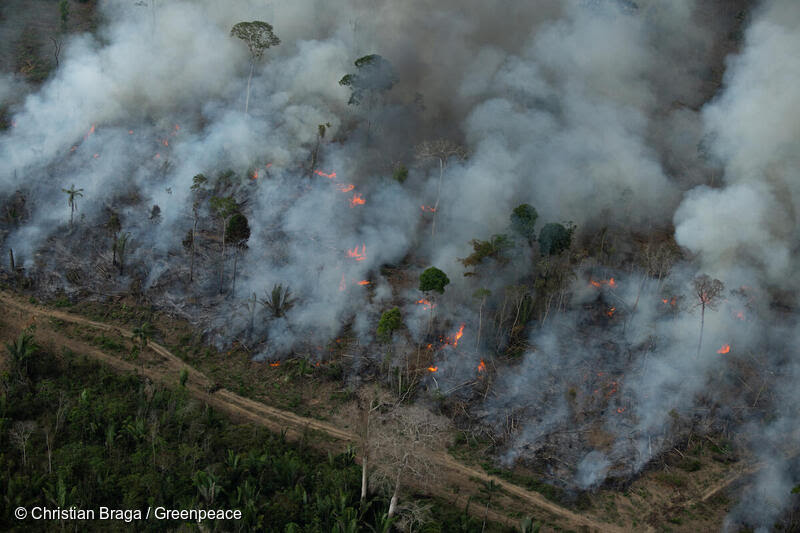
pixel 177 128
pixel 725 349
pixel 255 174
pixel 458 335
pixel 740 315
pixel 91 130
pixel 599 283
pixel 620 409
pixel 610 312
pixel 345 188
pixel 428 209
pixel 355 254
pixel 357 199
pixel 433 368
pixel 275 364
pixel 165 142
pixel 329 176
pixel 482 366
pixel 364 282
pixel 427 305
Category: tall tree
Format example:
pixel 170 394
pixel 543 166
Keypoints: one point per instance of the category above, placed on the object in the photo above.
pixel 707 291
pixel 198 194
pixel 554 238
pixel 224 208
pixel 72 194
pixel 523 222
pixel 259 36
pixel 321 130
pixel 122 245
pixel 114 226
pixel 237 233
pixel 442 150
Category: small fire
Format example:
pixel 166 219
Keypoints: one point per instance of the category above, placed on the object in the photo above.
pixel 130 132
pixel 357 199
pixel 345 188
pixel 482 366
pixel 329 176
pixel 255 174
pixel 725 349
pixel 165 142
pixel 275 364
pixel 620 410
pixel 91 130
pixel 177 128
pixel 427 305
pixel 597 284
pixel 428 209
pixel 610 312
pixel 355 254
pixel 73 148
pixel 96 156
pixel 433 368
pixel 364 282
pixel 458 335
pixel 739 315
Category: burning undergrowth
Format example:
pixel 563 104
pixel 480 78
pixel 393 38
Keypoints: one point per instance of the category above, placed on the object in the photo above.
pixel 246 195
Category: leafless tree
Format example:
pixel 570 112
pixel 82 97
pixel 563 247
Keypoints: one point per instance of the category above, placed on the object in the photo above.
pixel 707 291
pixel 21 433
pixel 402 444
pixel 441 150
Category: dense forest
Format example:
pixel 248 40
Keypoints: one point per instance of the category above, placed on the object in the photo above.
pixel 74 433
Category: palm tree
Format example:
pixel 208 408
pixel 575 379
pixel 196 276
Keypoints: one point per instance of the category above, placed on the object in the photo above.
pixel 72 194
pixel 143 333
pixel 21 351
pixel 279 300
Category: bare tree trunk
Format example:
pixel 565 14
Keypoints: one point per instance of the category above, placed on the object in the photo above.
pixel 396 493
pixel 438 195
pixel 222 258
pixel 480 323
pixel 702 320
pixel 194 249
pixel 249 79
pixel 49 453
pixel 364 477
pixel 235 260
pixel 11 259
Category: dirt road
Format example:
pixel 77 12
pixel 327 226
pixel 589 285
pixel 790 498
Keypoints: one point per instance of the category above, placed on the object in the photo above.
pixel 161 365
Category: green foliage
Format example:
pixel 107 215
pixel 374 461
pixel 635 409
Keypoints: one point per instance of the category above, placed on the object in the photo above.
pixel 184 377
pixel 375 75
pixel 433 279
pixel 63 8
pixel 223 206
pixel 523 222
pixel 279 300
pixel 400 173
pixel 257 34
pixel 21 351
pixel 143 333
pixel 554 238
pixel 390 321
pixel 492 248
pixel 237 231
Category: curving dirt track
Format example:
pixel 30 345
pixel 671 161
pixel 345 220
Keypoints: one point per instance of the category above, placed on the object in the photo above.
pixel 161 365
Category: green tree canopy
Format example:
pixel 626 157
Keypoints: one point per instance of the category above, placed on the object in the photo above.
pixel 494 248
pixel 237 230
pixel 555 238
pixel 257 34
pixel 433 279
pixel 390 321
pixel 374 75
pixel 523 221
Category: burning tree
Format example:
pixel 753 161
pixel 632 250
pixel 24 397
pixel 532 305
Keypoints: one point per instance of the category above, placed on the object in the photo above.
pixel 259 36
pixel 432 279
pixel 114 226
pixel 72 194
pixel 441 150
pixel 321 130
pixel 707 290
